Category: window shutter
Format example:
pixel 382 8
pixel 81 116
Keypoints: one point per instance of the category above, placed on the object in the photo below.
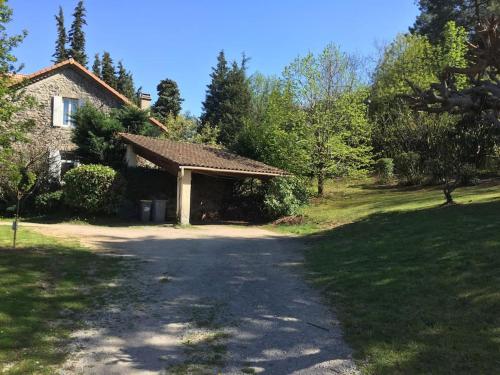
pixel 55 165
pixel 57 111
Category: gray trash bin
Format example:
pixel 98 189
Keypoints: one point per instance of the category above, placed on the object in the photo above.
pixel 145 211
pixel 159 210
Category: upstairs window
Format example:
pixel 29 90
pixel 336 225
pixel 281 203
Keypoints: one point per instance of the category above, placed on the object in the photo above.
pixel 69 108
pixel 63 111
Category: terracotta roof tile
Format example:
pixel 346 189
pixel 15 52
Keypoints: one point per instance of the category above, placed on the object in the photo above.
pixel 200 156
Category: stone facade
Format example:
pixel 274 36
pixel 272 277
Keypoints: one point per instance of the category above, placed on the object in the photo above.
pixel 66 82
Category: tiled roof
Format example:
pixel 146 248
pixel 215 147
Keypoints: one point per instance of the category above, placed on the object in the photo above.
pixel 20 79
pixel 199 156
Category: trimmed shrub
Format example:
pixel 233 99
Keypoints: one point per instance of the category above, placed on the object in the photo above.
pixel 284 196
pixel 408 167
pixel 47 203
pixel 93 189
pixel 384 168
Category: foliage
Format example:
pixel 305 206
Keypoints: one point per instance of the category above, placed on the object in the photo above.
pixel 169 100
pixel 60 53
pixel 95 134
pixel 135 120
pixel 108 70
pixel 328 88
pixel 125 82
pixel 284 196
pixel 227 102
pixel 96 66
pixel 409 167
pixel 434 14
pixel 93 189
pixel 384 169
pixel 77 35
pixel 48 203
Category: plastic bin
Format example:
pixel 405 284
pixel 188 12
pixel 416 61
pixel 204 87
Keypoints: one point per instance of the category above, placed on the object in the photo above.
pixel 159 210
pixel 146 211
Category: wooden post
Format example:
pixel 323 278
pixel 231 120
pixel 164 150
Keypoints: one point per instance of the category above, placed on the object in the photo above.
pixel 183 196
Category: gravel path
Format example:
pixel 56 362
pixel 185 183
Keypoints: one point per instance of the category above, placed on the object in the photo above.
pixel 207 300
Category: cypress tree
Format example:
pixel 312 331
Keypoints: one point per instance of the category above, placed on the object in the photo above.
pixel 77 36
pixel 96 66
pixel 169 100
pixel 125 82
pixel 215 94
pixel 228 99
pixel 60 53
pixel 108 70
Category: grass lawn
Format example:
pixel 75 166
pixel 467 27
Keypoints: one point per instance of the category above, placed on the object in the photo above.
pixel 416 286
pixel 44 285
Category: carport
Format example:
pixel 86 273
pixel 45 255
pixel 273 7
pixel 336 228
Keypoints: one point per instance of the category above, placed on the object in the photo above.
pixel 182 159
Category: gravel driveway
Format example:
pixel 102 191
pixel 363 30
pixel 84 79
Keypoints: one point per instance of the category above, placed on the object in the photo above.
pixel 206 300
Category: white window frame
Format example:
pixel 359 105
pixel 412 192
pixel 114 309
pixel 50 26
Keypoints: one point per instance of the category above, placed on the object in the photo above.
pixel 72 105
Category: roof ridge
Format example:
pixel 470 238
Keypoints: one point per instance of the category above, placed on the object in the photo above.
pixel 84 70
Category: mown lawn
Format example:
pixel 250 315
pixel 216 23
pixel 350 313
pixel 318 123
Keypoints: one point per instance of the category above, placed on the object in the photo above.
pixel 416 286
pixel 44 285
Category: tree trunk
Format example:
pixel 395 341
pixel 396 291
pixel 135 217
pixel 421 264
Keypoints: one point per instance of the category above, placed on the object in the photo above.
pixel 447 190
pixel 321 183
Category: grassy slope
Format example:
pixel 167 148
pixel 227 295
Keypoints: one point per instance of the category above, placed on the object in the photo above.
pixel 417 287
pixel 44 284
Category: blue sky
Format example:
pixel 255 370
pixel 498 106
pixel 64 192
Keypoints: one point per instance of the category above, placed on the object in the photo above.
pixel 178 39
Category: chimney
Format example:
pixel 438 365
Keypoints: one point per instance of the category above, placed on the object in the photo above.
pixel 144 101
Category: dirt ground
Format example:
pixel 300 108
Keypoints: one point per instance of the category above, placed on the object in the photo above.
pixel 205 300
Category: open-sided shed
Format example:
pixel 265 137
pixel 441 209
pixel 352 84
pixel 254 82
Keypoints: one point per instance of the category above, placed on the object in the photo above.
pixel 182 159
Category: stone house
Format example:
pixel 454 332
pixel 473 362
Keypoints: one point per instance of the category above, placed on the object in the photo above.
pixel 59 90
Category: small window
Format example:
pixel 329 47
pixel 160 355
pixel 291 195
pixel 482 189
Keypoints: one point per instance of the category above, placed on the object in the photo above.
pixel 70 106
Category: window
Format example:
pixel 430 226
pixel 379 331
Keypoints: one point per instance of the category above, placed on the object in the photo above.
pixel 69 108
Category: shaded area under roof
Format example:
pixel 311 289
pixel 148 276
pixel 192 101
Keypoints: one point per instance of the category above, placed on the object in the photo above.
pixel 173 155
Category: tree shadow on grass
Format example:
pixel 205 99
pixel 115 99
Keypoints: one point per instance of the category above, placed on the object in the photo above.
pixel 43 290
pixel 417 292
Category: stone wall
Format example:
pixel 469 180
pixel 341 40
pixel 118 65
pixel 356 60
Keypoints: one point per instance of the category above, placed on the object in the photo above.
pixel 70 83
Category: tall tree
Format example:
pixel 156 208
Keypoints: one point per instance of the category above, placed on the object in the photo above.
pixel 228 101
pixel 60 53
pixel 96 66
pixel 77 35
pixel 328 88
pixel 125 82
pixel 216 93
pixel 169 100
pixel 108 70
pixel 434 14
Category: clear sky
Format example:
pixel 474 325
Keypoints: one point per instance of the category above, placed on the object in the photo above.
pixel 180 39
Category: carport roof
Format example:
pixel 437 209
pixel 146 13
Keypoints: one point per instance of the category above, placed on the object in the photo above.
pixel 196 157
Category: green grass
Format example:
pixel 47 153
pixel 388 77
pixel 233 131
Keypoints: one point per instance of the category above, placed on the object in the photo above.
pixel 416 286
pixel 44 286
pixel 347 202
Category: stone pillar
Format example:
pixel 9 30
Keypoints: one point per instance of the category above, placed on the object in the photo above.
pixel 183 196
pixel 130 157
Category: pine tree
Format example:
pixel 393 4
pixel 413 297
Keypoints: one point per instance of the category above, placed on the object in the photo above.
pixel 169 100
pixel 96 66
pixel 108 70
pixel 125 82
pixel 227 102
pixel 61 53
pixel 215 94
pixel 77 36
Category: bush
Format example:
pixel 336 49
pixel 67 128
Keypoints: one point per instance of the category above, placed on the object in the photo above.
pixel 469 175
pixel 47 203
pixel 408 168
pixel 93 189
pixel 284 196
pixel 384 168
